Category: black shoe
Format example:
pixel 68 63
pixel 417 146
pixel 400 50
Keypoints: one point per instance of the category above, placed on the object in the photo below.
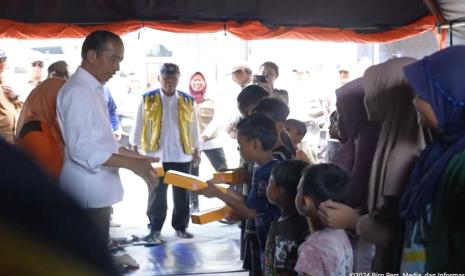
pixel 184 234
pixel 155 237
pixel 229 222
pixel 194 209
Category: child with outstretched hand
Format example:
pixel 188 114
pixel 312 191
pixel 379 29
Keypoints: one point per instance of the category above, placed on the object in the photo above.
pixel 256 137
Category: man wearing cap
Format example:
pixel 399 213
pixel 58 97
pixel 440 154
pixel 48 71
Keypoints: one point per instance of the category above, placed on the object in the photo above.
pixel 58 69
pixel 166 127
pixel 92 156
pixel 37 67
pixel 343 74
pixel 242 75
pixel 9 105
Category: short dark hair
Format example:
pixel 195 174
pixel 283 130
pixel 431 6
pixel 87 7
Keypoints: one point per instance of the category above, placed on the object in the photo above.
pixel 251 95
pixel 325 181
pixel 275 108
pixel 169 69
pixel 96 41
pixel 299 125
pixel 333 117
pixel 261 127
pixel 57 64
pixel 272 65
pixel 287 175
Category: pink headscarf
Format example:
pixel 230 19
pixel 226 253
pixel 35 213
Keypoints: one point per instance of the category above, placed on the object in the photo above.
pixel 198 95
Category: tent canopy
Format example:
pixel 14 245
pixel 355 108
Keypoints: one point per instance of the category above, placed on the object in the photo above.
pixel 336 20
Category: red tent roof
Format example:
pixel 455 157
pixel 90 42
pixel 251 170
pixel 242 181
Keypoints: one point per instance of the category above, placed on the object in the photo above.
pixel 335 20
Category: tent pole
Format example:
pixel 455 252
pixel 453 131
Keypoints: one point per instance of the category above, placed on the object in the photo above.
pixel 452 24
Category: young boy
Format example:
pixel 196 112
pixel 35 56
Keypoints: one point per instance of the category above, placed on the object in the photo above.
pixel 249 98
pixel 326 251
pixel 256 137
pixel 297 130
pixel 246 101
pixel 278 111
pixel 289 230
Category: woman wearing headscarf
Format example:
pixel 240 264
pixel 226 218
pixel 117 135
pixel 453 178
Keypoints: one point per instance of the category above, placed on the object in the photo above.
pixel 388 101
pixel 210 128
pixel 356 153
pixel 433 201
pixel 355 156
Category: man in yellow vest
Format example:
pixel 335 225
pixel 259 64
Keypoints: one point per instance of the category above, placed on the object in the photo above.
pixel 166 127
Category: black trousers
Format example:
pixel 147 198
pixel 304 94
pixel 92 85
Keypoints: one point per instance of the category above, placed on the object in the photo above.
pixel 218 161
pixel 157 204
pixel 100 217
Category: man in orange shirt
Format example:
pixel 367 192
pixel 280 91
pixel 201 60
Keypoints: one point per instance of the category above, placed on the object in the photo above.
pixel 38 131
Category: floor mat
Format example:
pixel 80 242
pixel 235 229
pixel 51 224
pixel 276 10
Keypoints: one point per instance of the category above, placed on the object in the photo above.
pixel 187 258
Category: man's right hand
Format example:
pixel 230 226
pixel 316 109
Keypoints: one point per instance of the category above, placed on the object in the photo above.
pixel 210 191
pixel 143 168
pixel 8 91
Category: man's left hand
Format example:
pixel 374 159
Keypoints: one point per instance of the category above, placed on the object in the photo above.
pixel 196 158
pixel 118 134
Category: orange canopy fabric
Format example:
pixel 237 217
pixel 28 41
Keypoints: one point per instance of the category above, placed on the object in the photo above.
pixel 250 30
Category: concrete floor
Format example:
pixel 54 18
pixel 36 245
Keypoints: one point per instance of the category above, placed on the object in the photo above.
pixel 213 250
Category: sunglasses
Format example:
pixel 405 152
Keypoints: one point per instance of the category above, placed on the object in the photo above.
pixel 3 59
pixel 38 63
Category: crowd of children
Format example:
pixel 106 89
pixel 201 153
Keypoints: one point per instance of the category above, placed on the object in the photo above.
pixel 278 215
pixel 379 207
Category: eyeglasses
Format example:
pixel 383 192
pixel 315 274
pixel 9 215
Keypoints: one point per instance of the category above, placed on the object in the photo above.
pixel 38 63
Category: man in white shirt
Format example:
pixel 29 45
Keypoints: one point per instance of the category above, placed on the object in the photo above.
pixel 92 157
pixel 37 73
pixel 241 74
pixel 166 128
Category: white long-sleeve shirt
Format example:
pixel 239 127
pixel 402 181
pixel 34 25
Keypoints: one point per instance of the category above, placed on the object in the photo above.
pixel 216 125
pixel 170 140
pixel 89 143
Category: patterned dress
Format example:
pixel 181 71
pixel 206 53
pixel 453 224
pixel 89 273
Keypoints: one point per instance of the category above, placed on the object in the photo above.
pixel 325 253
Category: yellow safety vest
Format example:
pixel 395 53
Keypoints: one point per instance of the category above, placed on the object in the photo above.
pixel 153 109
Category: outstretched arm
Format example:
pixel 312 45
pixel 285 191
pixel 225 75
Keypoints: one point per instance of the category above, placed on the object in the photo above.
pixel 140 166
pixel 231 198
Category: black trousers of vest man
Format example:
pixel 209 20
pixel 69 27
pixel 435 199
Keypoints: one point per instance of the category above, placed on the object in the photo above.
pixel 157 205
